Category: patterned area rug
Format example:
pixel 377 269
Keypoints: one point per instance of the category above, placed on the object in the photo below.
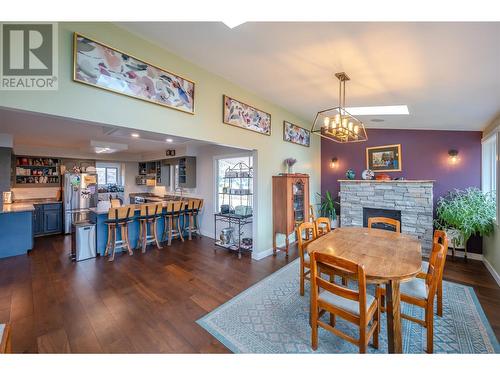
pixel 271 317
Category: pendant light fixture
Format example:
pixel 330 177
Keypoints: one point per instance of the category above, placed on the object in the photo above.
pixel 336 123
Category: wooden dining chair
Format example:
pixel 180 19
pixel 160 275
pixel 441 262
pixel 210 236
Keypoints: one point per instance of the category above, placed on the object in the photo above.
pixel 312 216
pixel 355 306
pixel 323 226
pixel 305 264
pixel 421 292
pixel 441 238
pixel 396 224
pixel 5 339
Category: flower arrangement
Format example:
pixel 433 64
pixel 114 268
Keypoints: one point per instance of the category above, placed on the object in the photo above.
pixel 289 162
pixel 468 211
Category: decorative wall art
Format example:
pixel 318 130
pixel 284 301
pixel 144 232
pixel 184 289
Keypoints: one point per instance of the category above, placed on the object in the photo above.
pixel 384 158
pixel 101 66
pixel 245 116
pixel 296 134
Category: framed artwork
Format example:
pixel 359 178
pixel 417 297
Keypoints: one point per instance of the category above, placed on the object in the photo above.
pixel 384 158
pixel 296 134
pixel 101 66
pixel 244 116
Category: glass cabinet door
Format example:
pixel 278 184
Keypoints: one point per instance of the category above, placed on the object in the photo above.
pixel 298 201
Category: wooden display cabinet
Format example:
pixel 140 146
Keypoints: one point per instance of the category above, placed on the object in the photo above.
pixel 290 204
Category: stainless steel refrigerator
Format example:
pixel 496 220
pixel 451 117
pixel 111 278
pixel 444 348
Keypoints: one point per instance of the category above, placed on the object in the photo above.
pixel 80 194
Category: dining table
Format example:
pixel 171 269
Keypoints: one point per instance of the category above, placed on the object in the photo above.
pixel 388 258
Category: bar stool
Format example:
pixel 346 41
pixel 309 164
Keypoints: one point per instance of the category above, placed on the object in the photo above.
pixel 118 219
pixel 115 202
pixel 172 218
pixel 148 221
pixel 193 208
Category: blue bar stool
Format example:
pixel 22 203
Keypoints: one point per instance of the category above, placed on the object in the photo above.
pixel 118 219
pixel 148 221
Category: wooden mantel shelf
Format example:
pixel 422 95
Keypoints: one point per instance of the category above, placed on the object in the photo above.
pixel 389 181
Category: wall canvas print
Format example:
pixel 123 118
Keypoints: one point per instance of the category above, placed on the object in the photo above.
pixel 296 134
pixel 244 116
pixel 101 66
pixel 384 158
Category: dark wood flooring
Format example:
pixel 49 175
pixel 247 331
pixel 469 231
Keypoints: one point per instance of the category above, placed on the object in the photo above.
pixel 146 303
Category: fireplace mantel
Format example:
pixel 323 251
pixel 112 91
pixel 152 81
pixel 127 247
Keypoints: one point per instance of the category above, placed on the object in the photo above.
pixel 414 198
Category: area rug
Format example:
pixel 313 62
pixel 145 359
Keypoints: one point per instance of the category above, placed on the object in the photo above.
pixel 271 317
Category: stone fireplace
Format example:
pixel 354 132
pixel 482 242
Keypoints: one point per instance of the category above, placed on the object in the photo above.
pixel 411 200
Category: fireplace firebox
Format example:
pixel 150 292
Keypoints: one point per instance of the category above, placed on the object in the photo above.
pixel 380 212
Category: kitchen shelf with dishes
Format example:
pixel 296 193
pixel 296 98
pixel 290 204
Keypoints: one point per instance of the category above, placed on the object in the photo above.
pixel 236 210
pixel 37 172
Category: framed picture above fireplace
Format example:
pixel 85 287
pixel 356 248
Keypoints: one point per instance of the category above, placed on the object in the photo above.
pixel 384 158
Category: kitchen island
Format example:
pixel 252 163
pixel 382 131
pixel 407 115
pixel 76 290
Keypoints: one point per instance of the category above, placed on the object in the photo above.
pixel 16 229
pixel 99 215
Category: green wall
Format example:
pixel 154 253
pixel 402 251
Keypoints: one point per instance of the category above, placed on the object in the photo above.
pixel 491 244
pixel 84 102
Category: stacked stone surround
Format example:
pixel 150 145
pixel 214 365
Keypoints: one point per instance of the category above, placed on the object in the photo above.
pixel 414 198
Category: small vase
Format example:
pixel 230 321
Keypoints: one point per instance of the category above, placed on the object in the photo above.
pixel 289 169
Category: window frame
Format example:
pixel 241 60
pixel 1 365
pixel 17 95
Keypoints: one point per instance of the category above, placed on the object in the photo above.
pixel 490 166
pixel 106 175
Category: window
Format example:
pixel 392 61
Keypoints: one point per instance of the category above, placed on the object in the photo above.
pixel 107 175
pixel 489 165
pixel 223 195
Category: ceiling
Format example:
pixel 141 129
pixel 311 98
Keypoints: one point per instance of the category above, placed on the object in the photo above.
pixel 34 130
pixel 447 73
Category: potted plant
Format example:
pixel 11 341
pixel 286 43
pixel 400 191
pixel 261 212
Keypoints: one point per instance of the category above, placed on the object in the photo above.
pixel 463 213
pixel 327 207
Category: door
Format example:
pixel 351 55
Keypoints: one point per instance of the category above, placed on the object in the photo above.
pixel 298 196
pixel 52 221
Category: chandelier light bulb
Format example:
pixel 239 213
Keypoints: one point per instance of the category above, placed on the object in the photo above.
pixel 326 121
pixel 356 129
pixel 337 118
pixel 350 126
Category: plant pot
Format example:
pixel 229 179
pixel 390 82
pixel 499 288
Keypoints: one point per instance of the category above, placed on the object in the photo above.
pixel 455 238
pixel 334 223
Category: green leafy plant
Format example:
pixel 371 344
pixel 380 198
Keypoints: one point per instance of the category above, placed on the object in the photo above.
pixel 469 211
pixel 327 205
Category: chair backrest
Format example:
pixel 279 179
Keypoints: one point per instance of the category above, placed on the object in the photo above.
pixel 120 213
pixel 322 225
pixel 440 237
pixel 435 270
pixel 174 206
pixel 343 266
pixel 385 220
pixel 151 209
pixel 194 204
pixel 200 205
pixel 302 243
pixel 312 217
pixel 115 202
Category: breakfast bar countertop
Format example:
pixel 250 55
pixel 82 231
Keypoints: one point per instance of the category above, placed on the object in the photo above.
pixel 8 208
pixel 104 206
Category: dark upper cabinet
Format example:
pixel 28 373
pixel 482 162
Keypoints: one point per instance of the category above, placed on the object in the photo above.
pixel 5 168
pixel 187 172
pixel 47 219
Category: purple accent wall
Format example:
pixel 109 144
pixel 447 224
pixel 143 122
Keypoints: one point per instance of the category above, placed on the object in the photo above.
pixel 424 156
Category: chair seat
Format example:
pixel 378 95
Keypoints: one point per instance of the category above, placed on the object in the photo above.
pixel 425 266
pixel 344 303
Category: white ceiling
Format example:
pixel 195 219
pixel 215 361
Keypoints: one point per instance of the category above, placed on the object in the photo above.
pixel 447 73
pixel 39 131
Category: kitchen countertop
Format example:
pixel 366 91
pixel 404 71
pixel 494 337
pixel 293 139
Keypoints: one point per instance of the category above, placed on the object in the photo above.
pixel 104 206
pixel 37 201
pixel 16 207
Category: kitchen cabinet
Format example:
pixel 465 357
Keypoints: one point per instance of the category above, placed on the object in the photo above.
pixel 187 172
pixel 47 219
pixel 164 178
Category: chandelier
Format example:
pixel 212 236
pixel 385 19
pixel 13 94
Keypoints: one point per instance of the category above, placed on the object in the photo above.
pixel 336 123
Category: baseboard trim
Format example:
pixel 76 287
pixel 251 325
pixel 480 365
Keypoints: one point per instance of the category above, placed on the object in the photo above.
pixel 262 254
pixel 207 234
pixel 493 272
pixel 461 254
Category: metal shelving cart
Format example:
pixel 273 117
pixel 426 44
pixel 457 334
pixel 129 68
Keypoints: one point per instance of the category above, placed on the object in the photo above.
pixel 237 189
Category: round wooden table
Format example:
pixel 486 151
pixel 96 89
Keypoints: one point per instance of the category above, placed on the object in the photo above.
pixel 388 257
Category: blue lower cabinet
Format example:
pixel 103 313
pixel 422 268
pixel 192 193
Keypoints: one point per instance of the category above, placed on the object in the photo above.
pixel 47 219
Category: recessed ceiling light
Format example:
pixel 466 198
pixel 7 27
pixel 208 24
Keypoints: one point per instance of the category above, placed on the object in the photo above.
pixel 135 135
pixel 377 120
pixel 169 140
pixel 379 110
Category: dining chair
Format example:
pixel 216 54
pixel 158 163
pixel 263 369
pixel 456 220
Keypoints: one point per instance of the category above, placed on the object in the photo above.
pixel 311 235
pixel 355 306
pixel 441 238
pixel 312 216
pixel 421 292
pixel 396 224
pixel 148 225
pixel 323 226
pixel 5 339
pixel 118 220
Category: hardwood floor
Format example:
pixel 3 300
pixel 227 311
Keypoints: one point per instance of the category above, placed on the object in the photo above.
pixel 146 303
